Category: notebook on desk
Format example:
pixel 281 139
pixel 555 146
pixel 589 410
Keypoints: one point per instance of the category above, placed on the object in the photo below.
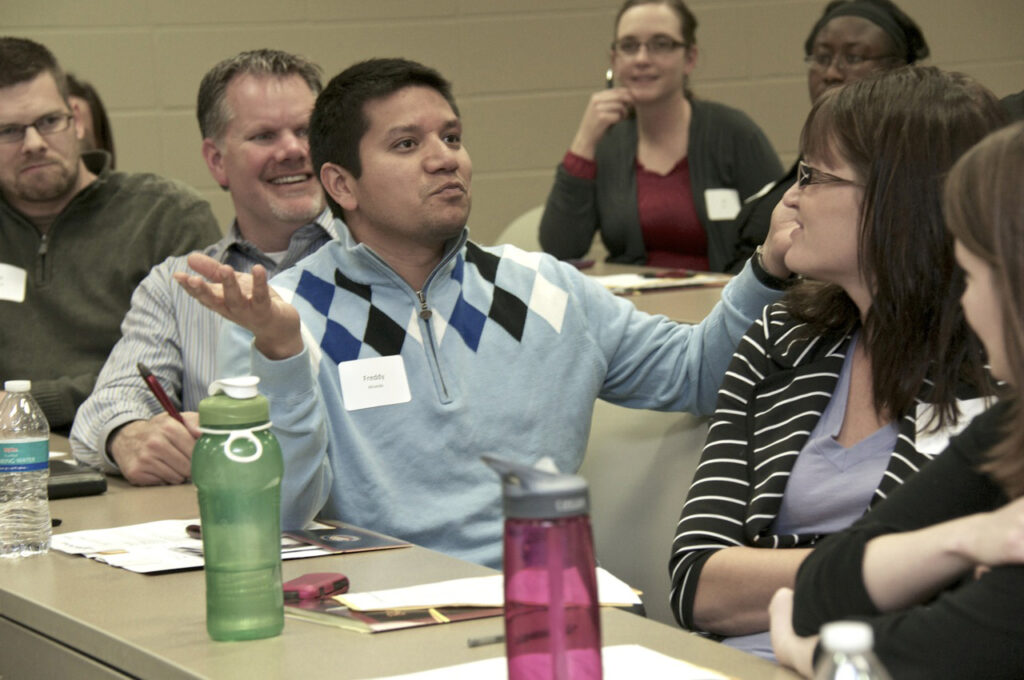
pixel 68 480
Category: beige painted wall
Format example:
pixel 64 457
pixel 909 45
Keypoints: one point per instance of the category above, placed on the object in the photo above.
pixel 522 69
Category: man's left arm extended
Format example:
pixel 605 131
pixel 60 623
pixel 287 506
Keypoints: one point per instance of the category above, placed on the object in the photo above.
pixel 654 363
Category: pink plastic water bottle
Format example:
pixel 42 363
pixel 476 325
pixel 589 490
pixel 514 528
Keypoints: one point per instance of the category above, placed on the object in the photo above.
pixel 552 614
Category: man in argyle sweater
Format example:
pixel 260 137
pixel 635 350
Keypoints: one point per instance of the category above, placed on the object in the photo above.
pixel 396 356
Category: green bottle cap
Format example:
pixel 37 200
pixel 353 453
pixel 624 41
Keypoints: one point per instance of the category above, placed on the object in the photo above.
pixel 234 402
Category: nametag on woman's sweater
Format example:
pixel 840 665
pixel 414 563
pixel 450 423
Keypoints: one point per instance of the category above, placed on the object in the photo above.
pixel 722 204
pixel 366 383
pixel 933 443
pixel 12 283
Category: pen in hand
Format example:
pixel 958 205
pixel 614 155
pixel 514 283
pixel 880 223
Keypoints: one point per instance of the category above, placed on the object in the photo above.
pixel 158 392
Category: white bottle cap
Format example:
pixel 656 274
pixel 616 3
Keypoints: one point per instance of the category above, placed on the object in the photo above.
pixel 848 637
pixel 18 386
pixel 242 387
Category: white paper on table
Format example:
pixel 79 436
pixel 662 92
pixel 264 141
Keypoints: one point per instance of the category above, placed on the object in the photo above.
pixel 625 662
pixel 630 283
pixel 154 546
pixel 480 591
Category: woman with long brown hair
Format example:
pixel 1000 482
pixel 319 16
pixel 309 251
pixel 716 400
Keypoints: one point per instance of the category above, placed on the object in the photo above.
pixel 938 569
pixel 849 385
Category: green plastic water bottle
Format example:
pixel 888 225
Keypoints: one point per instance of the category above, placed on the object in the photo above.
pixel 237 468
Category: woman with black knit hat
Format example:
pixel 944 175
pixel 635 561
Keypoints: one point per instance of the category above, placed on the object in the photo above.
pixel 856 38
pixel 853 39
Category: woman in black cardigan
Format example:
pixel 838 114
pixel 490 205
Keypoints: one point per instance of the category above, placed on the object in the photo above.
pixel 938 569
pixel 657 172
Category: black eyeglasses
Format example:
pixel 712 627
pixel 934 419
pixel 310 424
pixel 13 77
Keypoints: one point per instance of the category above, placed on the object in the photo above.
pixel 844 61
pixel 657 46
pixel 50 124
pixel 806 176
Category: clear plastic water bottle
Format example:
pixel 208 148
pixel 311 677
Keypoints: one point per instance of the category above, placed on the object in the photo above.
pixel 237 469
pixel 552 614
pixel 24 469
pixel 848 653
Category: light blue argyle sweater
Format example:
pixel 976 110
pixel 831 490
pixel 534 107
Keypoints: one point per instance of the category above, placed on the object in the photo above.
pixel 509 360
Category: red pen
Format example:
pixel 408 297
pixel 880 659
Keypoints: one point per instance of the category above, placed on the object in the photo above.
pixel 158 392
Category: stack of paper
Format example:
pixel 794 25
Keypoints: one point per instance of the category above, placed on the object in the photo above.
pixel 443 602
pixel 480 591
pixel 166 545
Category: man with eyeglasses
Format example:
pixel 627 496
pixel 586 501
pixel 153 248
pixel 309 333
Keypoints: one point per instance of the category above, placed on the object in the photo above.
pixel 852 40
pixel 75 238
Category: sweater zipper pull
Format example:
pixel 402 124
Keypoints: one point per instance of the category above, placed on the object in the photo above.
pixel 424 309
pixel 44 244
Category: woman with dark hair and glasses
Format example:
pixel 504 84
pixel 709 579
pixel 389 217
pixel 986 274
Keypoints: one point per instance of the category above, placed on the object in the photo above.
pixel 658 172
pixel 852 39
pixel 858 376
pixel 937 570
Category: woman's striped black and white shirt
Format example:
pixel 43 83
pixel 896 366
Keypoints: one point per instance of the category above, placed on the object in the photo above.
pixel 777 386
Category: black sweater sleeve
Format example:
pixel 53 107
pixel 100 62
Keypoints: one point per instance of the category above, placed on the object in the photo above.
pixel 973 629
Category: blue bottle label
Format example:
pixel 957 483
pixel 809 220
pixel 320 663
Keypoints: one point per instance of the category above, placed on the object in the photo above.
pixel 24 456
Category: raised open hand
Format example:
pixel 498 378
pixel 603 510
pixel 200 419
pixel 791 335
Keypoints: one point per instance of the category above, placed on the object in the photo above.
pixel 247 300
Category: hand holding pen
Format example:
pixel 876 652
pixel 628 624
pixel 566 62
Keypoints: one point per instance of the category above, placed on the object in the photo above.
pixel 605 108
pixel 154 386
pixel 157 450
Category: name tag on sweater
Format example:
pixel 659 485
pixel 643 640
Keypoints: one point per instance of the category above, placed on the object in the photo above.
pixel 722 204
pixel 12 283
pixel 366 383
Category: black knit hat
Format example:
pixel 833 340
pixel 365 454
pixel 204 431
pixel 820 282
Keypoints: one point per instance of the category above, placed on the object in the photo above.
pixel 904 31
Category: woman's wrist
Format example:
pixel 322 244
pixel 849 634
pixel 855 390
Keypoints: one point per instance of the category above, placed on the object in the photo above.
pixel 580 167
pixel 766 278
pixel 961 539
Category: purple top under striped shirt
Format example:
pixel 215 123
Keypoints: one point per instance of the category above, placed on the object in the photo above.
pixel 830 486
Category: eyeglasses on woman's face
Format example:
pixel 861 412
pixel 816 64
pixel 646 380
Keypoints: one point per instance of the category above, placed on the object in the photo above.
pixel 657 46
pixel 807 175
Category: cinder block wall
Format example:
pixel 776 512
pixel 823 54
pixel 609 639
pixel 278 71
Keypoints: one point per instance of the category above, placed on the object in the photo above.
pixel 522 69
